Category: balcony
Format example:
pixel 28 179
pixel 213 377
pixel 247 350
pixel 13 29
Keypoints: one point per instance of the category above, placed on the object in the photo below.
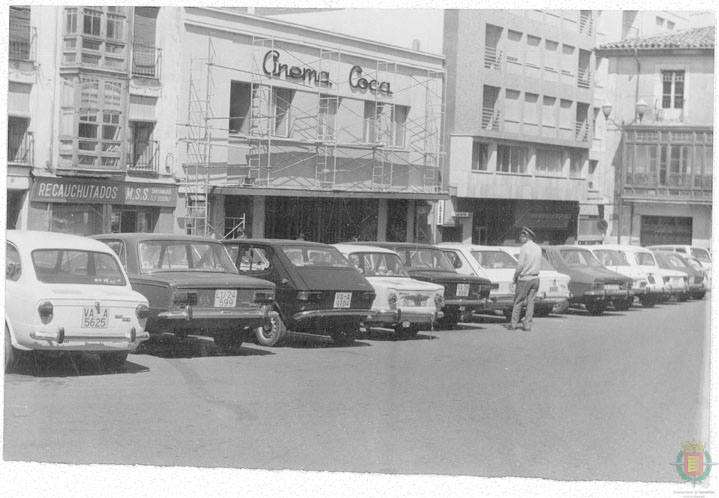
pixel 21 45
pixel 584 78
pixel 586 23
pixel 145 156
pixel 20 148
pixel 94 51
pixel 146 61
pixel 581 131
pixel 491 119
pixel 493 58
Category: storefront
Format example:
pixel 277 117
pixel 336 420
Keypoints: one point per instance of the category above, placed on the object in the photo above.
pixel 87 207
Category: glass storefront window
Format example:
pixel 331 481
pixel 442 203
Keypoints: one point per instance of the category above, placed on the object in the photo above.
pixel 79 219
pixel 133 220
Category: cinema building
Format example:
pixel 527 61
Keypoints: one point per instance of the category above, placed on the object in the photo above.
pixel 289 131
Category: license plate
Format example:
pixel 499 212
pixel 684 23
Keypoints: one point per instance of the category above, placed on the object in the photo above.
pixel 611 287
pixel 554 289
pixel 342 299
pixel 462 290
pixel 94 317
pixel 225 298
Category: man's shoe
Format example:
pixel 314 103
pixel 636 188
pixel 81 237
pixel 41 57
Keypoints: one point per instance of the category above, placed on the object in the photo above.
pixel 509 326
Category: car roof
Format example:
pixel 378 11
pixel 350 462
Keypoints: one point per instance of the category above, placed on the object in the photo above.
pixel 350 248
pixel 275 242
pixel 135 236
pixel 37 239
pixel 393 245
pixel 619 247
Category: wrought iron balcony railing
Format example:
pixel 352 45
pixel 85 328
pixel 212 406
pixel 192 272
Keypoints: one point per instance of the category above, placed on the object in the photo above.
pixel 492 58
pixel 20 148
pixel 146 61
pixel 584 78
pixel 582 131
pixel 491 118
pixel 145 156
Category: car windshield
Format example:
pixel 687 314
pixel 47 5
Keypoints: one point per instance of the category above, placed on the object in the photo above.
pixel 72 266
pixel 701 254
pixel 546 265
pixel 694 263
pixel 611 257
pixel 183 255
pixel 428 259
pixel 645 259
pixel 578 258
pixel 675 261
pixel 377 264
pixel 315 256
pixel 494 260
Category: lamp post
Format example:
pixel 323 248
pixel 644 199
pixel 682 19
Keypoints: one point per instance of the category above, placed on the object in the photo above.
pixel 640 109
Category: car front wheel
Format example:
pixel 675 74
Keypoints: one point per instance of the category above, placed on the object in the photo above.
pixel 272 334
pixel 622 304
pixel 11 354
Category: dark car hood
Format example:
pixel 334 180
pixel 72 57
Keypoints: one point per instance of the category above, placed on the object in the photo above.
pixel 200 279
pixel 446 276
pixel 333 279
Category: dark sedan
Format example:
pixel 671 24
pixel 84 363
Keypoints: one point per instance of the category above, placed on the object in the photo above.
pixel 463 294
pixel 591 283
pixel 318 290
pixel 193 287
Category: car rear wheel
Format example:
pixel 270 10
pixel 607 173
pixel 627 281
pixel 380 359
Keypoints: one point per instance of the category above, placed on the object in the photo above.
pixel 410 332
pixel 596 308
pixel 113 361
pixel 12 355
pixel 343 337
pixel 699 295
pixel 648 301
pixel 272 335
pixel 542 311
pixel 622 304
pixel 684 296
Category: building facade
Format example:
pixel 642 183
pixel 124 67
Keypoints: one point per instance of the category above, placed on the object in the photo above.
pixel 519 123
pixel 294 131
pixel 659 136
pixel 85 151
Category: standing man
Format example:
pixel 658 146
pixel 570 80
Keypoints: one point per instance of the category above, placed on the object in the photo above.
pixel 526 279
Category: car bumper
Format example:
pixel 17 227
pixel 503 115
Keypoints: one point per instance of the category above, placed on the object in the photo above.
pixel 332 314
pixel 619 294
pixel 58 338
pixel 551 301
pixel 393 317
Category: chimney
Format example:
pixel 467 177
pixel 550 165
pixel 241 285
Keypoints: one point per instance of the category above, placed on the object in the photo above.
pixel 415 44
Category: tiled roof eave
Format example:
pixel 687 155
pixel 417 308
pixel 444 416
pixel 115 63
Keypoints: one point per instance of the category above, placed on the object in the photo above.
pixel 653 51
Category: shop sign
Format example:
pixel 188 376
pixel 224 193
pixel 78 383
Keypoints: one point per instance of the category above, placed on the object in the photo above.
pixel 66 190
pixel 272 67
pixel 357 81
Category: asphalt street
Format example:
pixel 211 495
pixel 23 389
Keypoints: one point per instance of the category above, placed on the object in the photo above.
pixel 579 398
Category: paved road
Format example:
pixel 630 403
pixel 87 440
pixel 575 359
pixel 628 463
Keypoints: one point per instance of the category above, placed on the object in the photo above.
pixel 579 398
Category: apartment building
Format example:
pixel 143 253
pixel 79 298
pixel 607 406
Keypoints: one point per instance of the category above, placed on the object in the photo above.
pixel 295 131
pixel 519 123
pixel 84 152
pixel 659 135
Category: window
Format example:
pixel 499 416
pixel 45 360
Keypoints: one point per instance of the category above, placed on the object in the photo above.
pixel 480 156
pixel 548 161
pixel 531 115
pixel 377 122
pixel 399 123
pixel 576 163
pixel 13 268
pixel 534 54
pixel 64 266
pixel 551 56
pixel 672 89
pixel 511 159
pixel 514 49
pixel 115 25
pixel 282 101
pixel 512 106
pixel 100 105
pixel 660 21
pixel 565 114
pixel 70 21
pixel 240 107
pixel 549 117
pixel 670 25
pixel 679 165
pixel 252 259
pixel 327 117
pixel 92 22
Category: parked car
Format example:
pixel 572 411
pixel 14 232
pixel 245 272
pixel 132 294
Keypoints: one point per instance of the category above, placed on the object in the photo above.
pixel 703 255
pixel 401 303
pixel 463 294
pixel 621 259
pixel 697 276
pixel 193 287
pixel 69 293
pixel 553 293
pixel 591 284
pixel 665 282
pixel 673 261
pixel 318 290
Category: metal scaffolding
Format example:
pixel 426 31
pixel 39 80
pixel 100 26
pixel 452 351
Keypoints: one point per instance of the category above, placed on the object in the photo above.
pixel 315 141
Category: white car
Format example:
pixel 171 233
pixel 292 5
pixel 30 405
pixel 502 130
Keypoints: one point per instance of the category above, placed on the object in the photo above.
pixel 621 258
pixel 703 255
pixel 69 293
pixel 488 262
pixel 669 283
pixel 402 304
pixel 553 293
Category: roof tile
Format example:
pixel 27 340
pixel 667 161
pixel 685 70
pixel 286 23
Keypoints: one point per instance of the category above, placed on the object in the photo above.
pixel 689 38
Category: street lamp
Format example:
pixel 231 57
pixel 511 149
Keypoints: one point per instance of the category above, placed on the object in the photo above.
pixel 640 109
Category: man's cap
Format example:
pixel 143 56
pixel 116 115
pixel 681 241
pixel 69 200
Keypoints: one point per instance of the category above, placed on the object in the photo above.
pixel 528 231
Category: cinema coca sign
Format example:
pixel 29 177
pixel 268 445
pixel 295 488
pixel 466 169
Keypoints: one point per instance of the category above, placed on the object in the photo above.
pixel 359 81
pixel 272 66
